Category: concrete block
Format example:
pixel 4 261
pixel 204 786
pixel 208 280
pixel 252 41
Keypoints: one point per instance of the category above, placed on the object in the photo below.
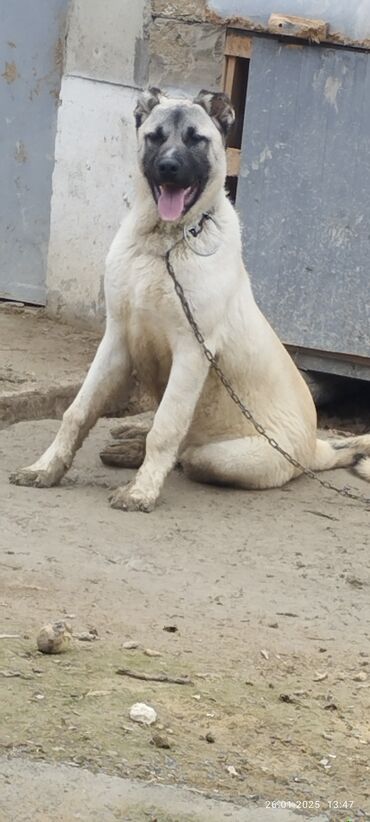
pixel 92 189
pixel 106 41
pixel 186 56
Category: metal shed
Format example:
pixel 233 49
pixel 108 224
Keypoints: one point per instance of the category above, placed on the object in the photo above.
pixel 31 56
pixel 304 179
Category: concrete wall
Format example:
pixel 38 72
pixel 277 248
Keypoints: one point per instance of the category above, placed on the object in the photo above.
pixel 106 63
pixel 185 57
pixel 92 189
pixel 112 49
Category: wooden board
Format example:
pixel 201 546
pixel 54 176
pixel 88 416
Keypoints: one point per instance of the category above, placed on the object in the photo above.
pixel 305 28
pixel 238 45
pixel 233 161
pixel 229 72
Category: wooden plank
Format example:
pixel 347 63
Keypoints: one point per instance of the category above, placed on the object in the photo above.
pixel 229 74
pixel 302 27
pixel 233 161
pixel 238 45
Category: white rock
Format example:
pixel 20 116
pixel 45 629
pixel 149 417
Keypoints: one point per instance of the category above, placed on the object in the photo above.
pixel 361 677
pixel 54 638
pixel 143 713
pixel 231 770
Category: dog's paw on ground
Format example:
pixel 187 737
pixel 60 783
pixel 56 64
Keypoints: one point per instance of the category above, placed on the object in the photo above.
pixel 125 499
pixel 32 478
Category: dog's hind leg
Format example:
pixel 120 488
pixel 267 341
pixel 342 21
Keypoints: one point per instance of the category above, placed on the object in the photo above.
pixel 133 425
pixel 127 447
pixel 343 452
pixel 249 462
pixel 109 370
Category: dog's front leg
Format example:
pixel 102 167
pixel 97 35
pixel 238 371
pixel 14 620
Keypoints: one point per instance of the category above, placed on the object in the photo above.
pixel 171 423
pixel 108 372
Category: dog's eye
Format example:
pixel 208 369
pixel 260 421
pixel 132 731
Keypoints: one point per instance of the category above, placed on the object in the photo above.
pixel 157 137
pixel 193 137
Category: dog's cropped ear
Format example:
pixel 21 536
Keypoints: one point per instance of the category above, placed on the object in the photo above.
pixel 219 106
pixel 145 104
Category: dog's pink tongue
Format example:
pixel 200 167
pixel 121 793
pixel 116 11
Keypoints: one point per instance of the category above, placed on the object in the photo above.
pixel 171 202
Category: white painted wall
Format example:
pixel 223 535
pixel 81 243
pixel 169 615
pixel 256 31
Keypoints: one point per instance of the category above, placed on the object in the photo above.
pixel 92 188
pixel 95 151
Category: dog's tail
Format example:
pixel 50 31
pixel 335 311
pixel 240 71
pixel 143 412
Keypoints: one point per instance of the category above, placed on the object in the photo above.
pixel 340 453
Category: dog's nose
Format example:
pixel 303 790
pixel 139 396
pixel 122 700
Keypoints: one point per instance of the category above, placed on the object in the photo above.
pixel 168 168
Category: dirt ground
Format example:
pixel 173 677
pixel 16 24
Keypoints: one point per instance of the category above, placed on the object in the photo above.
pixel 266 595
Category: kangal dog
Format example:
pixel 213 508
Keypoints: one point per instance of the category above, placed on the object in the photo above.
pixel 181 205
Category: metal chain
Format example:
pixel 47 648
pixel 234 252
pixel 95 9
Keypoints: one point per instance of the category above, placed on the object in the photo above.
pixel 344 492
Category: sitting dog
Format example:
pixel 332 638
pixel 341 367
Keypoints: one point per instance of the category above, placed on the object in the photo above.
pixel 181 207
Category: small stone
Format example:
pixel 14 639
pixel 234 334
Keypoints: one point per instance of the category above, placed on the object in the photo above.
pixel 320 677
pixel 210 738
pixel 150 652
pixel 287 698
pixel 160 741
pixel 54 638
pixel 142 713
pixel 231 770
pixel 130 645
pixel 264 653
pixel 356 582
pixel 171 629
pixel 360 677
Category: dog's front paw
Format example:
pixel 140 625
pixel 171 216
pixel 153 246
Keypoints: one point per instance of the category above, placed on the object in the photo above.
pixel 33 477
pixel 127 499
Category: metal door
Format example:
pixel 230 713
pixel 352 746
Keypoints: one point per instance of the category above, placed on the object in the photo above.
pixel 304 195
pixel 31 57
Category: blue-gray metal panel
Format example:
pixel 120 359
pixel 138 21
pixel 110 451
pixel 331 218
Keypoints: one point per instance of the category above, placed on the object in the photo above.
pixel 31 50
pixel 348 19
pixel 304 193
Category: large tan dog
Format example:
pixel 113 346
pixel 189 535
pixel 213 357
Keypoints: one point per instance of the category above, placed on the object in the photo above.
pixel 182 173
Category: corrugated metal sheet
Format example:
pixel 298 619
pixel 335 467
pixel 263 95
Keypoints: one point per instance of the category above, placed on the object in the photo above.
pixel 304 193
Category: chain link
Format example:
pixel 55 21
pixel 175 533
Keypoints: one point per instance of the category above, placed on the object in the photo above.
pixel 344 492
